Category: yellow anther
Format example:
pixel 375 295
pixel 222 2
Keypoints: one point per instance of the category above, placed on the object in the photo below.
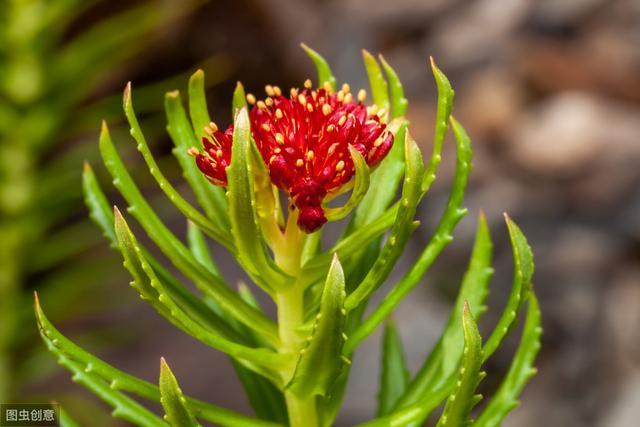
pixel 342 120
pixel 310 155
pixel 213 126
pixel 340 96
pixel 268 101
pixel 346 88
pixel 269 90
pixel 278 113
pixel 302 99
pixel 299 163
pixel 266 127
pixel 326 109
pixel 307 84
pixel 261 105
pixel 310 108
pixel 219 153
pixel 277 91
pixel 331 128
pixel 348 98
pixel 362 95
pixel 251 99
pixel 193 151
pixel 340 166
pixel 280 138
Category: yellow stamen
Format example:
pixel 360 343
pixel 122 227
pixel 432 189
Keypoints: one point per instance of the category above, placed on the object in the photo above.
pixel 310 108
pixel 280 138
pixel 327 86
pixel 346 88
pixel 261 105
pixel 266 127
pixel 340 166
pixel 193 152
pixel 310 155
pixel 307 84
pixel 302 99
pixel 362 95
pixel 269 102
pixel 326 109
pixel 348 98
pixel 342 120
pixel 277 91
pixel 299 163
pixel 251 99
pixel 278 113
pixel 269 90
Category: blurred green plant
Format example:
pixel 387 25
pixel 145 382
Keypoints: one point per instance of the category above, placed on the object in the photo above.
pixel 295 370
pixel 53 61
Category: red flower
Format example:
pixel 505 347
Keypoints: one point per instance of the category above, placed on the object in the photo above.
pixel 304 141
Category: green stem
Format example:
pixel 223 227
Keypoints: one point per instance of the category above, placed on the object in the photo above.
pixel 302 410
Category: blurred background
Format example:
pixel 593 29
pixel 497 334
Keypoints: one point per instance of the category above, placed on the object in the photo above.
pixel 549 90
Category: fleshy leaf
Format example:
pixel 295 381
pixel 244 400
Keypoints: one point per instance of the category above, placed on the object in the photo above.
pixel 321 362
pixel 461 402
pixel 441 238
pixel 99 209
pixel 444 358
pixel 145 281
pixel 394 377
pixel 443 115
pixel 379 87
pixel 209 196
pixel 520 372
pixel 359 188
pixel 398 102
pixel 65 419
pixel 252 251
pixel 198 104
pixel 176 408
pixel 402 228
pixel 117 380
pixel 522 274
pixel 214 230
pixel 239 100
pixel 322 66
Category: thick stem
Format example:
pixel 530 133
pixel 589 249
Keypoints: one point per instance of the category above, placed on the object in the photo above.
pixel 290 302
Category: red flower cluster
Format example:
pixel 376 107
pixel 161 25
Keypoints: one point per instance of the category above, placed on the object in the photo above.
pixel 304 141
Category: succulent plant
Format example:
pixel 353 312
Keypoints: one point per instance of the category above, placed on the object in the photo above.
pixel 314 145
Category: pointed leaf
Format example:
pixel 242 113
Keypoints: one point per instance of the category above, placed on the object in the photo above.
pixel 214 230
pixel 260 360
pixel 520 372
pixel 322 66
pixel 461 402
pixel 379 87
pixel 394 376
pixel 239 100
pixel 176 408
pixel 120 381
pixel 522 274
pixel 445 357
pixel 65 419
pixel 398 102
pixel 443 115
pixel 321 362
pixel 206 280
pixel 99 209
pixel 441 238
pixel 359 189
pixel 209 196
pixel 401 231
pixel 198 104
pixel 252 251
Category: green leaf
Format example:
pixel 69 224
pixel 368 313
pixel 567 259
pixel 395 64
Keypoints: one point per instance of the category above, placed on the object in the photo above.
pixel 441 238
pixel 99 209
pixel 252 250
pixel 461 402
pixel 385 180
pixel 239 100
pixel 206 280
pixel 522 274
pixel 398 102
pixel 198 104
pixel 263 361
pixel 321 362
pixel 176 408
pixel 209 196
pixel 214 230
pixel 102 213
pixel 65 419
pixel 520 372
pixel 444 358
pixel 379 87
pixel 359 188
pixel 443 115
pixel 198 247
pixel 322 66
pixel 124 407
pixel 117 380
pixel 394 374
pixel 401 230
